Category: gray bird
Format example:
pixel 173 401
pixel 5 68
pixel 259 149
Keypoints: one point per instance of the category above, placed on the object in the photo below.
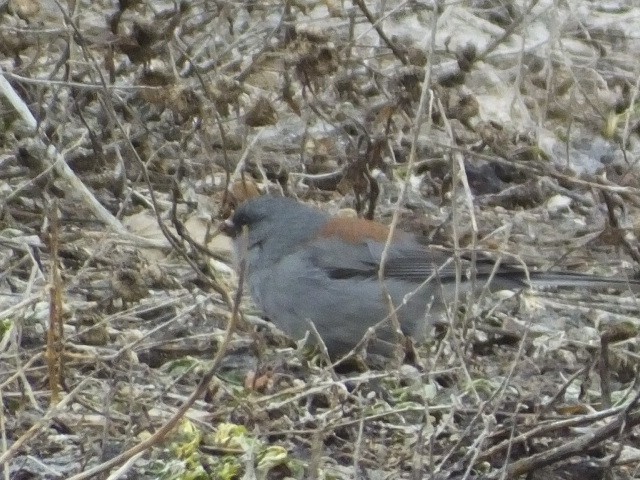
pixel 305 266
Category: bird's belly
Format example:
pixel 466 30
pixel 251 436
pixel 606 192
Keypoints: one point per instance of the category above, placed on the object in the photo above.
pixel 342 310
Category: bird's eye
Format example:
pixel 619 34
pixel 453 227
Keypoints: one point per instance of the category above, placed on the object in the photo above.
pixel 240 219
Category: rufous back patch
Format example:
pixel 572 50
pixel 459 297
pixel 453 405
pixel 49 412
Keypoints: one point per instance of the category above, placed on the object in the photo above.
pixel 355 230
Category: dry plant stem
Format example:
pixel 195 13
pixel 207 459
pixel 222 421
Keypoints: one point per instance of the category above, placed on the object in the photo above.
pixel 628 113
pixel 604 369
pixel 632 250
pixel 369 334
pixel 474 448
pixel 124 469
pixel 60 83
pixel 507 380
pixel 357 445
pixel 131 345
pixel 392 309
pixel 3 437
pixel 374 23
pixel 221 130
pixel 462 436
pixel 585 96
pixel 517 84
pixel 578 197
pixel 560 393
pixel 181 231
pixel 20 374
pixel 323 349
pixel 623 423
pixel 128 239
pixel 398 411
pixel 495 395
pixel 507 32
pixel 418 455
pixel 16 102
pixel 42 423
pixel 595 308
pixel 549 427
pixel 58 162
pixel 458 172
pixel 61 168
pixel 315 457
pixel 554 38
pixel 508 453
pixel 90 87
pixel 165 429
pixel 175 243
pixel 55 335
pixel 417 124
pixel 243 159
pixel 266 45
pixel 433 278
pixel 27 302
pixel 273 402
pixel 601 184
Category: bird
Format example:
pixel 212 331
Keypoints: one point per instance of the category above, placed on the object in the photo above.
pixel 316 275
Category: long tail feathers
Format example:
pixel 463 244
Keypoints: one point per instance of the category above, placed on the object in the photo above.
pixel 573 280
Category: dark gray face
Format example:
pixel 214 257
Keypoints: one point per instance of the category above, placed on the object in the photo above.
pixel 252 212
pixel 277 225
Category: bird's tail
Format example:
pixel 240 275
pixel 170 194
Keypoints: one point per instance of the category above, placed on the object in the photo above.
pixel 577 280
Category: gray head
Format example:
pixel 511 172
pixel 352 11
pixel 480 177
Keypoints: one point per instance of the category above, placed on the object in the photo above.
pixel 276 225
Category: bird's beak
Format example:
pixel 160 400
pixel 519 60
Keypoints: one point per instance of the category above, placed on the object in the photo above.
pixel 229 228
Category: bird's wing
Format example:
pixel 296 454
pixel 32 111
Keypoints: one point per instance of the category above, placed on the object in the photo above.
pixel 407 260
pixel 413 262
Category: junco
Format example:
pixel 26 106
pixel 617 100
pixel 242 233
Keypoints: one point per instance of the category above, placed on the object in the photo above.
pixel 306 267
